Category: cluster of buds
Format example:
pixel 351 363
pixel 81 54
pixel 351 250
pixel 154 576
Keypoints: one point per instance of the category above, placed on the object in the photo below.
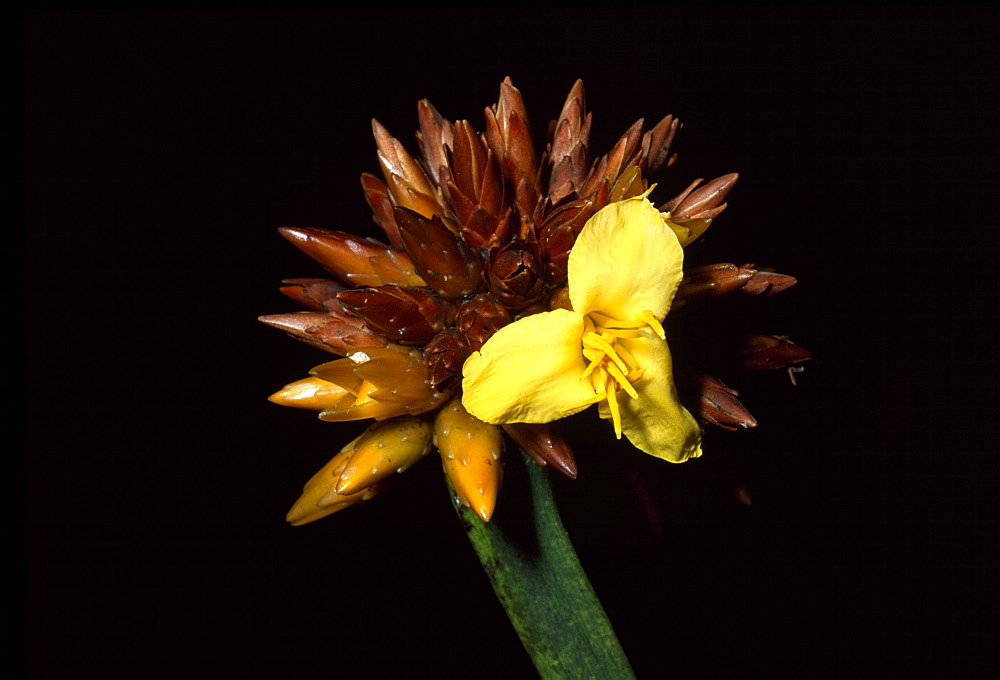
pixel 478 229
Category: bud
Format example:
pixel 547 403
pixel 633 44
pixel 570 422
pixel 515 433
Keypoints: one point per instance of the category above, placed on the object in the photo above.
pixel 705 202
pixel 508 136
pixel 656 144
pixel 440 257
pixel 378 199
pixel 479 318
pixel 311 293
pixel 319 499
pixel 545 445
pixel 765 283
pixel 436 137
pixel 474 189
pixel 407 316
pixel 407 184
pixel 514 274
pixel 354 260
pixel 692 211
pixel 444 356
pixel 556 235
pixel 312 394
pixel 568 151
pixel 331 332
pixel 385 448
pixel 470 452
pixel 712 279
pixel 761 352
pixel 381 383
pixel 717 403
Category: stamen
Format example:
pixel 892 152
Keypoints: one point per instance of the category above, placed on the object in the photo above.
pixel 647 316
pixel 595 356
pixel 627 358
pixel 622 380
pixel 597 342
pixel 616 415
pixel 606 322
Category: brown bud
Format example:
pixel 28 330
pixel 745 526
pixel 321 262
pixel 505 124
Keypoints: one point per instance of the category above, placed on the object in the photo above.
pixel 701 203
pixel 407 316
pixel 556 235
pixel 333 333
pixel 443 356
pixel 479 318
pixel 609 168
pixel 559 299
pixel 435 137
pixel 473 187
pixel 311 293
pixel 354 260
pixel 508 135
pixel 378 199
pixel 545 445
pixel 405 178
pixel 656 144
pixel 713 279
pixel 568 151
pixel 767 283
pixel 514 274
pixel 760 352
pixel 440 257
pixel 716 403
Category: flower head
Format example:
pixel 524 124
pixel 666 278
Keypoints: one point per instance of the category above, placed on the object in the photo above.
pixel 609 349
pixel 516 287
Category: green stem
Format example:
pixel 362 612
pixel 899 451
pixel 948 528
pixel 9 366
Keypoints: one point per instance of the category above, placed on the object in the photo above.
pixel 538 578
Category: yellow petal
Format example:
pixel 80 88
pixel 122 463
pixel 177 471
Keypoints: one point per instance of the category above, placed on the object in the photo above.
pixel 386 447
pixel 656 422
pixel 625 261
pixel 529 372
pixel 470 452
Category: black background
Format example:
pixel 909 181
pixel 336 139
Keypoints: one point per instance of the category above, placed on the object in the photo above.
pixel 163 149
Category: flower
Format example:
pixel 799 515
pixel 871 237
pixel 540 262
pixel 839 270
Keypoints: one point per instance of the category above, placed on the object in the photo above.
pixel 609 349
pixel 515 287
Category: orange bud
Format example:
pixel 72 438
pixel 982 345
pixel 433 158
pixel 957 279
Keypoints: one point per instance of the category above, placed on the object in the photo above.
pixel 385 448
pixel 470 452
pixel 319 499
pixel 382 383
pixel 312 394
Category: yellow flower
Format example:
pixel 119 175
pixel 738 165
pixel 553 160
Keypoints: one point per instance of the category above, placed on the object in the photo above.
pixel 611 349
